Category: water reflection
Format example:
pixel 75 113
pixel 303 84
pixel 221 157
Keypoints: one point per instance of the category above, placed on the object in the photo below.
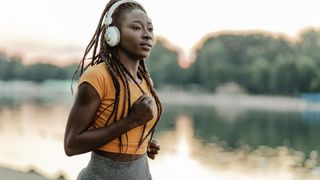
pixel 33 136
pixel 252 127
pixel 185 156
pixel 206 142
pixel 176 160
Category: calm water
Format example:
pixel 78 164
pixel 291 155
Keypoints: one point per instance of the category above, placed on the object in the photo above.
pixel 206 142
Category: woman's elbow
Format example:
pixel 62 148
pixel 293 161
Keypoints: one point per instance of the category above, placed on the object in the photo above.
pixel 69 151
pixel 69 148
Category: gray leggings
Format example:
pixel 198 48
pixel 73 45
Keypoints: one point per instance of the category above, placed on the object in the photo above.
pixel 101 168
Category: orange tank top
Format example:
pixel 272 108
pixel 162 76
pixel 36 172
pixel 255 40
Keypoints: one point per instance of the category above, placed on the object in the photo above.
pixel 99 77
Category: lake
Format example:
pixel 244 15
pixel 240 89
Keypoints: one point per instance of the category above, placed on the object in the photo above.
pixel 222 137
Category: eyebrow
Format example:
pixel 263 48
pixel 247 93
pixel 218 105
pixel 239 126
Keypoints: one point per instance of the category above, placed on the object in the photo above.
pixel 140 22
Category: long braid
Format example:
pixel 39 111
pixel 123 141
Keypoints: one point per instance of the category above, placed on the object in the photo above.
pixel 121 76
pixel 143 92
pixel 106 55
pixel 127 101
pixel 146 76
pixel 94 41
pixel 125 88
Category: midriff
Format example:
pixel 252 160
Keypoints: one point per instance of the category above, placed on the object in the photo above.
pixel 119 156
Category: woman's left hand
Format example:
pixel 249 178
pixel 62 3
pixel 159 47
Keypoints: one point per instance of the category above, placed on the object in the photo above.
pixel 153 148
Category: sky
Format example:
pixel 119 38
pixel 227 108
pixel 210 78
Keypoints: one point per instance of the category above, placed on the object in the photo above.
pixel 59 30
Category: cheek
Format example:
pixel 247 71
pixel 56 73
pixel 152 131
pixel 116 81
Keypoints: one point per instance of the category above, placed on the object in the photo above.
pixel 129 37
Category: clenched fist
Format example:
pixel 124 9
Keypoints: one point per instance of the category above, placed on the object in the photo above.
pixel 141 111
pixel 153 148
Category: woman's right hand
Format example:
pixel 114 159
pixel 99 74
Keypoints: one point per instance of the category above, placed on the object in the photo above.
pixel 141 111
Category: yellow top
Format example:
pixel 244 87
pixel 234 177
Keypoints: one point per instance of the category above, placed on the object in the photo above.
pixel 99 77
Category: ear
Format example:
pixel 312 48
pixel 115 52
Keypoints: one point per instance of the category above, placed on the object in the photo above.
pixel 112 36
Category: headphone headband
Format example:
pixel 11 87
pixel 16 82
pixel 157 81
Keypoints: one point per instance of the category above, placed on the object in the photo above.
pixel 108 18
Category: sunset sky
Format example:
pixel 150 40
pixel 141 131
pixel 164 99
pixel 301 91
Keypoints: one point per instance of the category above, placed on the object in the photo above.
pixel 60 29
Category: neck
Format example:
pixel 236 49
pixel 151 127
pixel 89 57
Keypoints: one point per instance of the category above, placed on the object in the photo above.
pixel 130 64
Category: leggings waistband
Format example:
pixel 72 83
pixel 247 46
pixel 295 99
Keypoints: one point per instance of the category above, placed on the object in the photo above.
pixel 100 167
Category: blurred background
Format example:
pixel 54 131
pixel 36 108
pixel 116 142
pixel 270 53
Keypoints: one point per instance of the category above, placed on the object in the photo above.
pixel 239 80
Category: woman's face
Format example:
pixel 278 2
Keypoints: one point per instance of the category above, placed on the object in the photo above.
pixel 136 31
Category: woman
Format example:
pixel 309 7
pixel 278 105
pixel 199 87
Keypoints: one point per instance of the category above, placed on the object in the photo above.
pixel 116 107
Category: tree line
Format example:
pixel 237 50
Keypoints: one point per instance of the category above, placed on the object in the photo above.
pixel 12 68
pixel 260 63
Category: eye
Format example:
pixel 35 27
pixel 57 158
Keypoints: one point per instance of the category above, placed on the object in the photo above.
pixel 150 29
pixel 136 28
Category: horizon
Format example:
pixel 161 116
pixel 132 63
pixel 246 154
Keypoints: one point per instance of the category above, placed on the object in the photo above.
pixel 49 31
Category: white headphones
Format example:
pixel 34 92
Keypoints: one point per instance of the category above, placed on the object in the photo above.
pixel 112 35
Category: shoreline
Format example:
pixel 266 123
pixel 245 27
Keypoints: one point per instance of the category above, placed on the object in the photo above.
pixel 239 101
pixel 10 174
pixel 59 91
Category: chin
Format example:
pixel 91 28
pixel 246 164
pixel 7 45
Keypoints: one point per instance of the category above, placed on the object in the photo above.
pixel 144 55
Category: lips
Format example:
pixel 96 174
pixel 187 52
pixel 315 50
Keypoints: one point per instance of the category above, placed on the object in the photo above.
pixel 146 45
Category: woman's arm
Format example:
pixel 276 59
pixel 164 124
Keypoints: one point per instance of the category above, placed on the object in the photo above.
pixel 78 139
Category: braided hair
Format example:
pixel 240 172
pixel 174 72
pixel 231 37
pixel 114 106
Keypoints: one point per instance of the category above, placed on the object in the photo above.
pixel 103 53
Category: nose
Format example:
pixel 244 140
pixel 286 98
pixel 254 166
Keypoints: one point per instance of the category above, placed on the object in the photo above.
pixel 147 35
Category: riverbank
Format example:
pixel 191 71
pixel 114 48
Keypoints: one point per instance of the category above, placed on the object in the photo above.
pixel 9 174
pixel 60 91
pixel 239 101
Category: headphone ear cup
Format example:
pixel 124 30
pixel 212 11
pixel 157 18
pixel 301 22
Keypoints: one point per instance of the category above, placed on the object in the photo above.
pixel 112 36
